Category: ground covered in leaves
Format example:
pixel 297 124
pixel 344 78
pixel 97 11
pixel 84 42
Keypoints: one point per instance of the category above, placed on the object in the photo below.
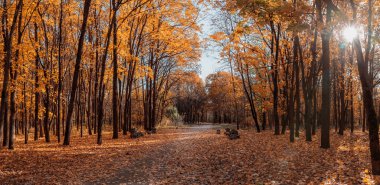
pixel 192 155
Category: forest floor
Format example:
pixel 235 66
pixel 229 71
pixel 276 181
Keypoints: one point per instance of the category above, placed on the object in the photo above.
pixel 190 155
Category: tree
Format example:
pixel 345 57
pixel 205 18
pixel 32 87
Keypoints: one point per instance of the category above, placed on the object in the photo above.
pixel 189 97
pixel 368 100
pixel 8 33
pixel 326 99
pixel 74 87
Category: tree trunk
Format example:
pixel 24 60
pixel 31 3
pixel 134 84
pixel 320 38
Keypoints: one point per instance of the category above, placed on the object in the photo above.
pixel 115 95
pixel 59 73
pixel 342 94
pixel 74 86
pixel 326 99
pixel 275 80
pixel 101 84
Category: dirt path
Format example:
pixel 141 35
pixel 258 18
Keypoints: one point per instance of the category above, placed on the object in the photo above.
pixel 197 155
pixel 191 155
pixel 157 163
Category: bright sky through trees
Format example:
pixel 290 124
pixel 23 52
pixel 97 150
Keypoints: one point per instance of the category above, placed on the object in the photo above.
pixel 210 56
pixel 349 33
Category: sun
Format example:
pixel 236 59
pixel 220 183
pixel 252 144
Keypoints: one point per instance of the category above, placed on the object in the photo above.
pixel 349 33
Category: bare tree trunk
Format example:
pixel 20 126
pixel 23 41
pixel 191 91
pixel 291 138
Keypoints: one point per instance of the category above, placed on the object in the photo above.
pixel 342 94
pixel 351 91
pixel 101 84
pixel 37 86
pixel 6 129
pixel 115 95
pixel 326 98
pixel 276 39
pixel 74 86
pixel 89 108
pixel 295 77
pixel 59 73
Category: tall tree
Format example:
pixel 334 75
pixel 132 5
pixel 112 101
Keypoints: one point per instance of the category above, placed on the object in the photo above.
pixel 325 60
pixel 368 100
pixel 8 33
pixel 74 85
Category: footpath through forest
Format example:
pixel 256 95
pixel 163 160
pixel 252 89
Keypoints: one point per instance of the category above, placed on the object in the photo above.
pixel 191 155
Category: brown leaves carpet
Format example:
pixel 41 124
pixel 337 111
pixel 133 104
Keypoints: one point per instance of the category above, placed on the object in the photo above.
pixel 193 155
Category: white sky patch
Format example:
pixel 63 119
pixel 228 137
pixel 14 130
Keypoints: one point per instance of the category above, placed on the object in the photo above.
pixel 210 56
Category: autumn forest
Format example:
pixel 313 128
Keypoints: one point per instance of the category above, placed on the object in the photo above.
pixel 111 92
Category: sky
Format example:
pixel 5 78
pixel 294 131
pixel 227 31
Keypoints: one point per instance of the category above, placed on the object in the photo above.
pixel 209 62
pixel 210 55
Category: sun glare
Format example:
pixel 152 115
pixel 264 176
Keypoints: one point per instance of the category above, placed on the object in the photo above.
pixel 349 33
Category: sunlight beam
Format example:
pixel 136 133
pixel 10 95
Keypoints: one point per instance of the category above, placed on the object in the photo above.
pixel 349 33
